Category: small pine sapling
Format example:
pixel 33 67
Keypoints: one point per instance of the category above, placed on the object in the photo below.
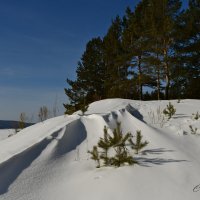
pixel 22 120
pixel 95 156
pixel 105 144
pixel 193 130
pixel 122 157
pixel 196 116
pixel 169 111
pixel 117 135
pixel 138 145
pixel 118 142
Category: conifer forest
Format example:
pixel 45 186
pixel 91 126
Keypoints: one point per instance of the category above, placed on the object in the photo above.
pixel 150 53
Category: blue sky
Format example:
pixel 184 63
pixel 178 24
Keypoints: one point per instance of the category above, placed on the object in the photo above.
pixel 41 42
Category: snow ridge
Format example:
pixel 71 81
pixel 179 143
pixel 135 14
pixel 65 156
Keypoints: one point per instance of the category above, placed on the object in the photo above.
pixel 49 160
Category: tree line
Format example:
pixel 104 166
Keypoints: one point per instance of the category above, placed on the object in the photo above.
pixel 152 52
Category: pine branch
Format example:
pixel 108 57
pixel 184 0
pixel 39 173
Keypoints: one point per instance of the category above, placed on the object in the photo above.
pixel 95 155
pixel 139 144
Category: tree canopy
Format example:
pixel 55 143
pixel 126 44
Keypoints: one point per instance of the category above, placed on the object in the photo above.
pixel 152 52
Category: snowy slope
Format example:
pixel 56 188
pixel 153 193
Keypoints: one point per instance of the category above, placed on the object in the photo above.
pixel 5 133
pixel 49 160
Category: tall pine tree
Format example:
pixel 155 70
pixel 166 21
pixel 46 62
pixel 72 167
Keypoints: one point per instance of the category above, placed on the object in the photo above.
pixel 116 68
pixel 89 85
pixel 189 49
pixel 163 17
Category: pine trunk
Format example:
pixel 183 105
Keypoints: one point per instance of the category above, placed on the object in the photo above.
pixel 158 81
pixel 167 86
pixel 167 77
pixel 140 78
pixel 158 84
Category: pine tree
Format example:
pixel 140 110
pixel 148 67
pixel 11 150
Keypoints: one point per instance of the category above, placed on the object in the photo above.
pixel 134 44
pixel 116 68
pixel 138 145
pixel 169 111
pixel 163 17
pixel 22 120
pixel 155 45
pixel 105 144
pixel 90 78
pixel 117 142
pixel 91 70
pixel 95 155
pixel 193 130
pixel 188 47
pixel 122 157
pixel 83 105
pixel 74 95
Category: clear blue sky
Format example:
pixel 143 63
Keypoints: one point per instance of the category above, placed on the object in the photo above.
pixel 41 42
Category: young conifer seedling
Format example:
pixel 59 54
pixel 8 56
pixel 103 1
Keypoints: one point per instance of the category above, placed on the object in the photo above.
pixel 117 143
pixel 196 116
pixel 22 121
pixel 95 155
pixel 105 144
pixel 169 111
pixel 193 130
pixel 138 145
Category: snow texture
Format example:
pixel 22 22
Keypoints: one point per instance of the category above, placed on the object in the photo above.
pixel 49 160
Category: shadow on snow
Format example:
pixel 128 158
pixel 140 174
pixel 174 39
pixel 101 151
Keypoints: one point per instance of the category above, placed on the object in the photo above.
pixel 147 162
pixel 9 171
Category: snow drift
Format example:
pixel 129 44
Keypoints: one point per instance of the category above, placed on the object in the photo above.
pixel 49 160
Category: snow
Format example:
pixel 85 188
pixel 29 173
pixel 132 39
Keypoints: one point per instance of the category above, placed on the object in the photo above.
pixel 49 160
pixel 5 133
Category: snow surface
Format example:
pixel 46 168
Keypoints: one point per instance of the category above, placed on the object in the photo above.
pixel 5 133
pixel 49 160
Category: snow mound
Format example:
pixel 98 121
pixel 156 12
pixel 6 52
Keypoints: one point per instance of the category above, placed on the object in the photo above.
pixel 5 133
pixel 49 160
